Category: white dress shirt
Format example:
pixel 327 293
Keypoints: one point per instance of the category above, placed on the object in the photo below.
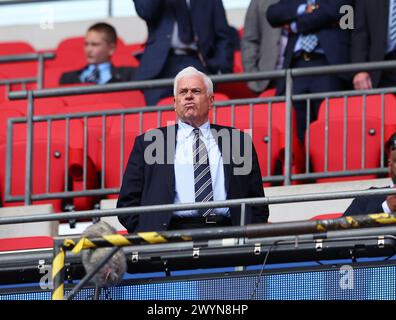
pixel 385 204
pixel 184 171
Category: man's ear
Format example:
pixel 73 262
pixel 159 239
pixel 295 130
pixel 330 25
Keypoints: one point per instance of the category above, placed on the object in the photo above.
pixel 112 48
pixel 211 100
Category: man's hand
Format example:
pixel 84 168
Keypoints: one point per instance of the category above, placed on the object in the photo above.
pixel 362 81
pixel 311 7
pixel 287 28
pixel 391 201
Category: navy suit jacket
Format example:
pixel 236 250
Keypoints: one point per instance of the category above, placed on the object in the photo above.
pixel 118 74
pixel 369 38
pixel 324 22
pixel 366 205
pixel 154 184
pixel 209 23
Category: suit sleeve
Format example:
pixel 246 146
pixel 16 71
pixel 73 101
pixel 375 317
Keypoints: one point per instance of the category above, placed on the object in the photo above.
pixel 260 213
pixel 358 206
pixel 70 77
pixel 149 10
pixel 251 38
pixel 282 13
pixel 326 16
pixel 132 184
pixel 360 35
pixel 223 58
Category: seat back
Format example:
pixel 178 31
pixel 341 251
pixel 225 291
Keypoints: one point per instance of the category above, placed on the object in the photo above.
pixel 119 141
pixel 354 158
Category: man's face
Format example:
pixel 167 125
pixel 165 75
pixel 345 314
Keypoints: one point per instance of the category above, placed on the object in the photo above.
pixel 392 166
pixel 97 49
pixel 192 102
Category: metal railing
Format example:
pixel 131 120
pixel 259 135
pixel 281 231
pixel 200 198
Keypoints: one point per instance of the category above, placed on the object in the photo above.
pixel 287 175
pixel 39 57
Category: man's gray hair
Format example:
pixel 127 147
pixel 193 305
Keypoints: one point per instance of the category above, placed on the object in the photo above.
pixel 191 71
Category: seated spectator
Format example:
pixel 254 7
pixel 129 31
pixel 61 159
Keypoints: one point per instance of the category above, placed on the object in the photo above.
pixel 100 44
pixel 374 39
pixel 380 203
pixel 314 40
pixel 262 45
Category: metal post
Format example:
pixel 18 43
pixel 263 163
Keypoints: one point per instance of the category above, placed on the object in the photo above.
pixel 58 265
pixel 89 275
pixel 110 9
pixel 241 241
pixel 29 150
pixel 40 73
pixel 288 135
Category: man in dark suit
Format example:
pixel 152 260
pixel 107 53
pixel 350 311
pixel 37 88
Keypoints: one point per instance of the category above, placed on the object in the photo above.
pixel 262 45
pixel 183 33
pixel 314 39
pixel 100 43
pixel 378 204
pixel 192 161
pixel 374 39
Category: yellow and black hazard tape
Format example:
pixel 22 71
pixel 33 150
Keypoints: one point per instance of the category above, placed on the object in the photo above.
pixel 116 240
pixel 357 221
pixel 58 264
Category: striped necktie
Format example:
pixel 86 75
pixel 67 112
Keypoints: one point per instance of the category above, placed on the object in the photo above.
pixel 93 77
pixel 309 42
pixel 202 178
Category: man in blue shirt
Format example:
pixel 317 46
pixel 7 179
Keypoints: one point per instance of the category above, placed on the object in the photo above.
pixel 100 44
pixel 315 39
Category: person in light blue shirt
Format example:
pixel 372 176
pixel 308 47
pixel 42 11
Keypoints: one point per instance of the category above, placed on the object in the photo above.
pixel 315 39
pixel 100 44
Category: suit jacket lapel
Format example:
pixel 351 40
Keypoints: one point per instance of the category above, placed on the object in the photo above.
pixel 226 163
pixel 169 167
pixel 383 20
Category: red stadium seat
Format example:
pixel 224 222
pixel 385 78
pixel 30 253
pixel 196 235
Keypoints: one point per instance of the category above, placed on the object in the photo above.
pixel 114 169
pixel 268 93
pixel 21 69
pixel 26 243
pixel 127 98
pixel 5 114
pixel 55 166
pixel 268 149
pixel 15 47
pixel 327 216
pixel 261 115
pixel 354 108
pixel 42 106
pixel 94 125
pixel 354 145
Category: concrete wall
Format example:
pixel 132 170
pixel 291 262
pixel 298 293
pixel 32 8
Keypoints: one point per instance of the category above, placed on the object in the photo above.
pixel 46 228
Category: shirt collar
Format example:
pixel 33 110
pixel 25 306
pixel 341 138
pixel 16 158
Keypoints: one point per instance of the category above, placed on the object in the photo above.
pixel 101 66
pixel 186 130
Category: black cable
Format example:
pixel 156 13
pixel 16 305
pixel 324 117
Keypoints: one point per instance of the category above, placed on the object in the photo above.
pixel 262 268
